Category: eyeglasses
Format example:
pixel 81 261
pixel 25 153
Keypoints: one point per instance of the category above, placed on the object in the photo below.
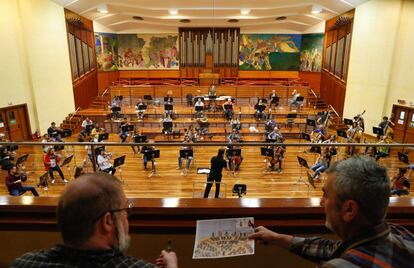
pixel 127 210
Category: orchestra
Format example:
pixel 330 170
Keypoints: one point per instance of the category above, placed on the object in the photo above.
pixel 103 162
pixel 51 162
pixel 14 181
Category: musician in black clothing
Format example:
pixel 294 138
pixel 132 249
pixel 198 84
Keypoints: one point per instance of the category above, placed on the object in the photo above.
pixel 217 165
pixel 54 132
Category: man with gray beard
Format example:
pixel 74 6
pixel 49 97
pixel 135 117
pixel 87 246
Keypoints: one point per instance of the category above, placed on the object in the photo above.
pixel 92 216
pixel 355 200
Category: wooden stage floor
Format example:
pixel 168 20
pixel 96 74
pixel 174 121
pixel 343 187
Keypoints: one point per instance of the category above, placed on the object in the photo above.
pixel 170 184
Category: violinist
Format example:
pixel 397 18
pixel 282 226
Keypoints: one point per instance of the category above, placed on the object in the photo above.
pixel 203 125
pixel 51 162
pixel 294 100
pixel 197 112
pixel 14 181
pixel 95 133
pixel 146 157
pixel 189 158
pixel 104 164
pixel 386 126
pixel 234 160
pixel 140 109
pixel 115 108
pixel 228 109
pixel 46 139
pixel 260 108
pixel 275 134
pixel 87 126
pixel 400 184
pixel 270 124
pixel 54 132
pixel 235 123
pixel 318 135
pixel 190 134
pixel 166 127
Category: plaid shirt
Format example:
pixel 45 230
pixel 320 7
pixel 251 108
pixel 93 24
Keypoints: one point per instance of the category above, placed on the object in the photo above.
pixel 383 246
pixel 62 256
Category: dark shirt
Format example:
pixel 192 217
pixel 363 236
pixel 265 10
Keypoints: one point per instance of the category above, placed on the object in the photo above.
pixel 62 256
pixel 384 245
pixel 217 165
pixel 9 182
pixel 53 132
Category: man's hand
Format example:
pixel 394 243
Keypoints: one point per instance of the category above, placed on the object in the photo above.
pixel 266 236
pixel 167 260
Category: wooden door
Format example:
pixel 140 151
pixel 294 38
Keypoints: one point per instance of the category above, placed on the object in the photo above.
pixel 400 115
pixel 3 125
pixel 15 122
pixel 409 130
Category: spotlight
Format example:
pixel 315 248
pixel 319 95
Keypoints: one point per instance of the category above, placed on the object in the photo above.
pixel 173 11
pixel 316 9
pixel 102 9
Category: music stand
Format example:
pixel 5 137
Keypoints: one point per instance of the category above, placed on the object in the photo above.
pixel 128 128
pixel 185 153
pixel 311 122
pixel 115 109
pixel 239 190
pixel 43 181
pixel 59 147
pixel 377 130
pixel 291 118
pixel 303 164
pixel 118 162
pixel 150 155
pixel 261 108
pixel 103 137
pixel 342 133
pixel 212 97
pixel 233 152
pixel 142 107
pixel 66 161
pixel 168 99
pixel 66 133
pixel 21 159
pixel 168 107
pixel 119 97
pixel 148 97
pixel 89 128
pixel 228 107
pixel 275 100
pixel 403 157
pixel 348 122
pixel 300 99
pixel 12 148
pixel 140 138
pixel 167 126
pixel 203 171
pixel 310 180
pixel 198 108
pixel 305 136
pixel 266 151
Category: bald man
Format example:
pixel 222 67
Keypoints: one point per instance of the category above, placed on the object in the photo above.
pixel 92 217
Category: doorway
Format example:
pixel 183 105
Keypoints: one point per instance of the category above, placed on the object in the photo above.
pixel 14 123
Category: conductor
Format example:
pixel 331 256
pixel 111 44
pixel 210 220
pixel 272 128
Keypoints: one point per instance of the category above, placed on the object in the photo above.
pixel 217 165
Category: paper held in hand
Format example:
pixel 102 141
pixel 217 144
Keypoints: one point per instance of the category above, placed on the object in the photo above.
pixel 223 238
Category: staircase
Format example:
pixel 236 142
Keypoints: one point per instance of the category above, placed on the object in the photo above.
pixel 99 102
pixel 72 122
pixel 316 101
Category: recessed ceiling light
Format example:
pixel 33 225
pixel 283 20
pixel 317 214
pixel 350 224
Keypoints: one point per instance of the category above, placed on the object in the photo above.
pixel 137 18
pixel 102 9
pixel 233 21
pixel 316 9
pixel 173 11
pixel 185 21
pixel 245 11
pixel 281 18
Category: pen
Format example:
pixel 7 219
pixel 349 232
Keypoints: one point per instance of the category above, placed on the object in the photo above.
pixel 169 246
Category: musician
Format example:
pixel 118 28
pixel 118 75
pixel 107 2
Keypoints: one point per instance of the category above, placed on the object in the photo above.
pixel 139 109
pixel 318 135
pixel 115 104
pixel 87 126
pixel 51 162
pixel 104 164
pixel 235 123
pixel 54 132
pixel 386 126
pixel 123 132
pixel 188 141
pixel 6 158
pixel 212 90
pixel 198 103
pixel 190 134
pixel 228 113
pixel 400 184
pixel 216 168
pixel 166 129
pixel 354 135
pixel 370 151
pixel 360 121
pixel 203 125
pixel 277 158
pixel 275 135
pixel 333 150
pixel 147 148
pixel 294 99
pixel 270 124
pixel 14 181
pixel 321 164
pixel 273 99
pixel 46 139
pixel 324 119
pixel 383 151
pixel 260 108
pixel 95 133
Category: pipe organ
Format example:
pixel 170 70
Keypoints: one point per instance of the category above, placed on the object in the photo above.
pixel 220 44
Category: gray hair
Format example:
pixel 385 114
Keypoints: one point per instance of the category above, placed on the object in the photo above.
pixel 365 181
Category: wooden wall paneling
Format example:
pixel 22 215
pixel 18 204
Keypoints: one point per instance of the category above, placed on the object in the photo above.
pixel 195 91
pixel 105 79
pixel 313 78
pixel 249 91
pixel 133 74
pixel 164 74
pixel 254 74
pixel 226 91
pixel 161 91
pixel 85 89
pixel 283 74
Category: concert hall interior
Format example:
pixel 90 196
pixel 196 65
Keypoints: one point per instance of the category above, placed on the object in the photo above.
pixel 285 87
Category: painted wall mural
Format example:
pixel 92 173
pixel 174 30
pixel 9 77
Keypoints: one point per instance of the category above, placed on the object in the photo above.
pixel 311 53
pixel 270 52
pixel 136 51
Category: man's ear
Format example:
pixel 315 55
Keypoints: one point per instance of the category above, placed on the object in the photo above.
pixel 107 222
pixel 350 210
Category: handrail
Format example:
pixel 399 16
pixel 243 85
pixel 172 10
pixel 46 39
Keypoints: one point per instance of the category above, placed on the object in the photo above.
pixel 102 97
pixel 103 94
pixel 316 97
pixel 333 109
pixel 70 118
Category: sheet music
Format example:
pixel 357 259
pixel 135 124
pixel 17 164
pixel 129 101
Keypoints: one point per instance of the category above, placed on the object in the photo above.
pixel 223 238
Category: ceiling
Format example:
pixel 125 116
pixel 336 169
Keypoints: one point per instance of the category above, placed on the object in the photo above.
pixel 208 13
